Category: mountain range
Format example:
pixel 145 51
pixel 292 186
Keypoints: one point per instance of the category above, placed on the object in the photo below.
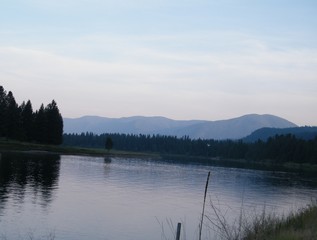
pixel 234 128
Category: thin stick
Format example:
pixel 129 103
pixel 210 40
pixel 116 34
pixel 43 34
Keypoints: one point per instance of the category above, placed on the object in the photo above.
pixel 178 233
pixel 203 212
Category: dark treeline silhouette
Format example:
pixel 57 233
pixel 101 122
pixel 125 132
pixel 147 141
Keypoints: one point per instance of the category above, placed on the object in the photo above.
pixel 306 133
pixel 21 123
pixel 278 149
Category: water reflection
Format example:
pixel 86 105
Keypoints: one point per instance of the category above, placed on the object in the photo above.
pixel 34 174
pixel 101 198
pixel 107 160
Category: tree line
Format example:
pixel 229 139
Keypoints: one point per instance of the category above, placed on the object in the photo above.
pixel 19 122
pixel 278 149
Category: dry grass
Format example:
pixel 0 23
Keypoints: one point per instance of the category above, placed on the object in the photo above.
pixel 301 225
pixel 296 226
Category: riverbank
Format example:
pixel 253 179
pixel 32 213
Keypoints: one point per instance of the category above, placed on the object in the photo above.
pixel 297 226
pixel 16 146
pixel 310 169
pixel 300 225
pixel 9 145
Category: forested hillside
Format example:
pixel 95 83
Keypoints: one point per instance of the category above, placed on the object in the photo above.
pixel 277 149
pixel 19 122
pixel 306 133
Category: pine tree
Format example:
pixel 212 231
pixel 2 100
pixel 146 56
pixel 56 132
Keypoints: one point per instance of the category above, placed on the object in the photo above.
pixel 54 124
pixel 3 110
pixel 109 144
pixel 12 120
pixel 27 118
pixel 40 125
pixel 20 123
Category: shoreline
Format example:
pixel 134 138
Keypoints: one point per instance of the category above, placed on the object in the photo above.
pixel 34 148
pixel 24 147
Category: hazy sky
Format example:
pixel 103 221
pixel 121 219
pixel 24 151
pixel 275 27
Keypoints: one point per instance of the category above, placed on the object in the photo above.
pixel 182 59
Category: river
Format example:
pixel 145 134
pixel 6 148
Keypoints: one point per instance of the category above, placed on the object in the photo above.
pixel 80 197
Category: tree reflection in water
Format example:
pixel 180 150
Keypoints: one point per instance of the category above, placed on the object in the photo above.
pixel 35 174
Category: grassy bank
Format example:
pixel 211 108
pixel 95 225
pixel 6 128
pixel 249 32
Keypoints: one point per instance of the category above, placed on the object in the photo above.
pixel 14 146
pixel 296 226
pixel 310 169
pixel 299 225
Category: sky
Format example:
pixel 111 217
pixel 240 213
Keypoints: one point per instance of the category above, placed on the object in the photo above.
pixel 181 59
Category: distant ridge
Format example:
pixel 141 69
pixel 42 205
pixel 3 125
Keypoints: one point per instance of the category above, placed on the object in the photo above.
pixel 263 134
pixel 234 128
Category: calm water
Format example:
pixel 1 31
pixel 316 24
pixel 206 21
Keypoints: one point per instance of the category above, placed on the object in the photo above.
pixel 71 197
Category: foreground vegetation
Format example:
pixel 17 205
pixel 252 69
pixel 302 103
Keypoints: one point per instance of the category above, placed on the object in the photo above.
pixel 301 225
pixel 298 225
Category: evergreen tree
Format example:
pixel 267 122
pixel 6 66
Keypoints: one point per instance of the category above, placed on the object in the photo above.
pixel 40 125
pixel 27 118
pixel 20 123
pixel 54 124
pixel 3 110
pixel 109 144
pixel 12 120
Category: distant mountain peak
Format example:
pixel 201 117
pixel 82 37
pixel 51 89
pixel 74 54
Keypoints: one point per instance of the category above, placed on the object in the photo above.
pixel 233 128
